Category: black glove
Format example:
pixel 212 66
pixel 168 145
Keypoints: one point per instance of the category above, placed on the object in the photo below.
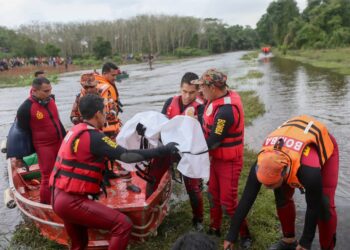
pixel 140 129
pixel 171 148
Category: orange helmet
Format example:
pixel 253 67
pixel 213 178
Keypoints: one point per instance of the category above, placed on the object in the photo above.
pixel 272 165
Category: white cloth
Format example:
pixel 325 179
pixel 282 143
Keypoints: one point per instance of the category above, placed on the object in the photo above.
pixel 129 139
pixel 184 130
pixel 187 132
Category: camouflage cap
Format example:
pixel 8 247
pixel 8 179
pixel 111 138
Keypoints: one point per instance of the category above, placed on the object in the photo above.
pixel 88 79
pixel 212 76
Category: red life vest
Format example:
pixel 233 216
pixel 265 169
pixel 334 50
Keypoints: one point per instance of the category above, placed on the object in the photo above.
pixel 76 169
pixel 45 123
pixel 232 145
pixel 190 110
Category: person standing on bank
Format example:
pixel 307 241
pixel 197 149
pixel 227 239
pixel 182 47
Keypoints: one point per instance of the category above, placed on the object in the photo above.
pixel 299 154
pixel 39 116
pixel 223 125
pixel 188 104
pixel 78 173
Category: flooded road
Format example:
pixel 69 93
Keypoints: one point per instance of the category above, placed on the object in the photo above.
pixel 287 89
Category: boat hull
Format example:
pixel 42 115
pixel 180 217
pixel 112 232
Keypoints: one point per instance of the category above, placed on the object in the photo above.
pixel 145 211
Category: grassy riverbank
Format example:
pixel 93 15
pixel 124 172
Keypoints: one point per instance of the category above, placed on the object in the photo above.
pixel 23 76
pixel 336 60
pixel 262 219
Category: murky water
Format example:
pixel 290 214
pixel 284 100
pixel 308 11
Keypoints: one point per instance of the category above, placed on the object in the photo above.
pixel 286 89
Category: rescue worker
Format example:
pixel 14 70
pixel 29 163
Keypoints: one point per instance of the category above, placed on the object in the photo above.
pixel 88 86
pixel 39 73
pixel 223 125
pixel 299 154
pixel 78 174
pixel 188 104
pixel 109 91
pixel 150 61
pixel 39 116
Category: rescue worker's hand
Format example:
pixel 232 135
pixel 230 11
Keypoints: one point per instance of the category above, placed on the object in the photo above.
pixel 228 245
pixel 171 147
pixel 300 248
pixel 140 129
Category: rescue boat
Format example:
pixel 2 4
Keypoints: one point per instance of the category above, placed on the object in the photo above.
pixel 121 76
pixel 146 209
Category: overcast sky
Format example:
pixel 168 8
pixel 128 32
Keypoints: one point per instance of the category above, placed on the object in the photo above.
pixel 243 12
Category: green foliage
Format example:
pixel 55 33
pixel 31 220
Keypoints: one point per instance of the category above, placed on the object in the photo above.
pixel 102 48
pixel 336 60
pixel 87 60
pixel 13 44
pixel 273 26
pixel 310 36
pixel 188 52
pixel 339 38
pixel 323 24
pixel 252 106
pixel 252 74
pixel 250 56
pixel 194 41
pixel 117 59
pixel 24 79
pixel 28 236
pixel 51 50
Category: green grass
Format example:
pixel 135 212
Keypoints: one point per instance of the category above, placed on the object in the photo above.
pixel 28 236
pixel 7 81
pixel 250 56
pixel 252 106
pixel 252 74
pixel 262 219
pixel 336 60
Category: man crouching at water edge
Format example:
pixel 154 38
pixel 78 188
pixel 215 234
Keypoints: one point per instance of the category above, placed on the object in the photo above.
pixel 78 173
pixel 299 154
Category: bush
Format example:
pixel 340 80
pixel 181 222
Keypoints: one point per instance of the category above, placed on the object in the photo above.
pixel 187 52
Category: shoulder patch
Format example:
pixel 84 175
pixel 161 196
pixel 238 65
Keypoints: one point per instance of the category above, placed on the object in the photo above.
pixel 109 141
pixel 220 126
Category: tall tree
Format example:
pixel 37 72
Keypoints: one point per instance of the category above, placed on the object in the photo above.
pixel 273 26
pixel 102 48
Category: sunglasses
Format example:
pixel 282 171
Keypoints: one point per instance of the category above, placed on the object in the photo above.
pixel 89 87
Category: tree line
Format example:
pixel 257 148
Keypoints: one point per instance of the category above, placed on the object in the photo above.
pixel 322 24
pixel 156 34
